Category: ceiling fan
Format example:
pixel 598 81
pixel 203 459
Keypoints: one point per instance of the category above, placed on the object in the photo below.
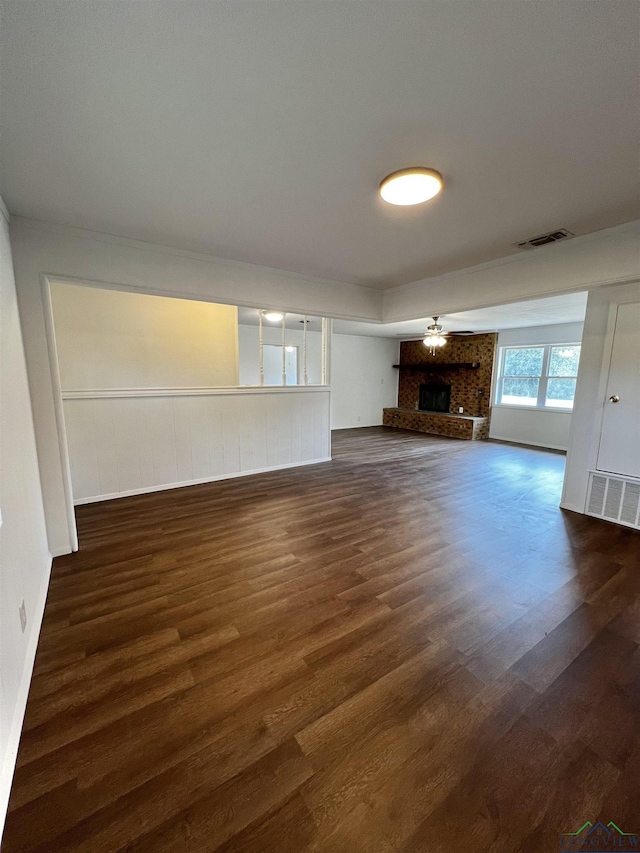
pixel 435 336
pixel 436 329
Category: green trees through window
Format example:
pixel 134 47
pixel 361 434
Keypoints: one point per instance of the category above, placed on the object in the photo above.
pixel 543 376
pixel 522 370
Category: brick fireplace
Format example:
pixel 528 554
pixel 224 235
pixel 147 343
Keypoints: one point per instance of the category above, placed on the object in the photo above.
pixel 432 388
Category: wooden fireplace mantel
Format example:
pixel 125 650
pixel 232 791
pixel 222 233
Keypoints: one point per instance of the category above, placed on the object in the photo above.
pixel 436 367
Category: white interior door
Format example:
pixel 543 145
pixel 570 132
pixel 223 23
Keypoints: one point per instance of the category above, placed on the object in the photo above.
pixel 619 450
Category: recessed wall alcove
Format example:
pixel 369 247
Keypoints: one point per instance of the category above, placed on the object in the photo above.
pixel 464 367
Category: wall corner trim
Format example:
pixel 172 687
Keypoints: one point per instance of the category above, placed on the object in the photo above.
pixel 60 550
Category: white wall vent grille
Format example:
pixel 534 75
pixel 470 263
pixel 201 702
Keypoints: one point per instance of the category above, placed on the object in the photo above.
pixel 614 498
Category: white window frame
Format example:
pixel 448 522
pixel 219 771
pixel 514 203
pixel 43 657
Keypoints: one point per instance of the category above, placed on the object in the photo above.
pixel 543 378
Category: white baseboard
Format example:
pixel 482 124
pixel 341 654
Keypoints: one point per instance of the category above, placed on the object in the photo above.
pixel 572 508
pixel 61 550
pixel 166 486
pixel 528 443
pixel 357 426
pixel 15 729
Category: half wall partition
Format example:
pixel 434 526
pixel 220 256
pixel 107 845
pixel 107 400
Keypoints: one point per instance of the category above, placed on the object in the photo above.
pixel 160 392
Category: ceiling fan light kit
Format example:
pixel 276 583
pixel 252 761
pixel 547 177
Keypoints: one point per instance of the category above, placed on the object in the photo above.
pixel 435 337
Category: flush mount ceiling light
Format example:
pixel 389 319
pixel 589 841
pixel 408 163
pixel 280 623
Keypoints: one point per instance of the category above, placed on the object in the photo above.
pixel 273 316
pixel 411 186
pixel 435 338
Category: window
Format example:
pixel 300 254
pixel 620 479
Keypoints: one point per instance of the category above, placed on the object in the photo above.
pixel 540 377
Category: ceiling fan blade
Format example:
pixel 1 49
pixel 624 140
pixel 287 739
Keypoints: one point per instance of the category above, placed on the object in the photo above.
pixel 415 335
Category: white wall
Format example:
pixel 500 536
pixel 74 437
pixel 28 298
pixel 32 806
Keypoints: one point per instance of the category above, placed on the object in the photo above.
pixel 115 339
pixel 535 427
pixel 593 260
pixel 363 380
pixel 590 396
pixel 67 254
pixel 141 383
pixel 142 379
pixel 125 444
pixel 249 352
pixel 25 561
pixel 539 427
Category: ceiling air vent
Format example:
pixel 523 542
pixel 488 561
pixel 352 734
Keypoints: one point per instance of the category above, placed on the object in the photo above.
pixel 544 239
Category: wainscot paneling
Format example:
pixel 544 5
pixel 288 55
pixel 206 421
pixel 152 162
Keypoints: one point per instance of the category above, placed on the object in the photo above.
pixel 134 441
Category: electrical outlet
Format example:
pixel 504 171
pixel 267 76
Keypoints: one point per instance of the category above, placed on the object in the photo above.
pixel 23 616
pixel 359 418
pixel 461 409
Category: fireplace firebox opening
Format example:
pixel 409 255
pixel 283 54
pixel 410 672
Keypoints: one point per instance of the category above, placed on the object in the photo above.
pixel 434 397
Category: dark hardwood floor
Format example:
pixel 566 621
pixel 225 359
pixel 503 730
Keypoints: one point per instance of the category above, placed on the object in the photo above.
pixel 410 648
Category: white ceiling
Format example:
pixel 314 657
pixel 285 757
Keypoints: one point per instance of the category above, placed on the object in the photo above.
pixel 569 308
pixel 249 317
pixel 553 310
pixel 259 131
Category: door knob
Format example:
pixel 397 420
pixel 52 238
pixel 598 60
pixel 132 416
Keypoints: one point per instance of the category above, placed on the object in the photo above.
pixel 614 398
